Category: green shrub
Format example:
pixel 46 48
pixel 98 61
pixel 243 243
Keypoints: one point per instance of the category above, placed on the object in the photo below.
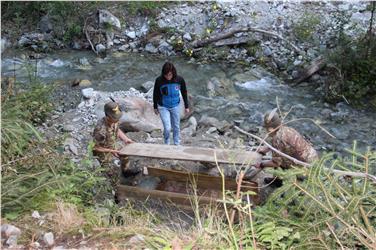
pixel 305 27
pixel 356 64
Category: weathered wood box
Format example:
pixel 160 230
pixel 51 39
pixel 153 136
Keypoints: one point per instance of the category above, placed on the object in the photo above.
pixel 183 188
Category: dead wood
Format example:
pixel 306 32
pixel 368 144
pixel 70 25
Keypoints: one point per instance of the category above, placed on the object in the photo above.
pixel 88 36
pixel 315 66
pixel 233 41
pixel 201 43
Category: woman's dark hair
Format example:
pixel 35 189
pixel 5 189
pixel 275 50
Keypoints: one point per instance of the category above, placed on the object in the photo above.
pixel 169 67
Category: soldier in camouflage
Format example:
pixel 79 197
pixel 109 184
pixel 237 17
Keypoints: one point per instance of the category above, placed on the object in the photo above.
pixel 105 136
pixel 286 140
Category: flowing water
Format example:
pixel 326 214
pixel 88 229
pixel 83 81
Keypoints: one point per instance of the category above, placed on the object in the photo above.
pixel 250 91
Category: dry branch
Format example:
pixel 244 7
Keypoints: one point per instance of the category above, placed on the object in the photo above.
pixel 315 66
pixel 88 37
pixel 305 164
pixel 201 43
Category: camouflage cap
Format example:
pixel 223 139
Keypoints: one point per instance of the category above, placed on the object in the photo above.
pixel 272 119
pixel 112 110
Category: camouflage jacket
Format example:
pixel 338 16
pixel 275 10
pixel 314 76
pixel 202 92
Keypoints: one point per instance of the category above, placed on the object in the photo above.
pixel 289 141
pixel 105 136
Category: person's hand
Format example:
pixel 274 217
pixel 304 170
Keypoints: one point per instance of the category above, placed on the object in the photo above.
pixel 263 150
pixel 156 111
pixel 259 165
pixel 187 110
pixel 115 153
pixel 129 141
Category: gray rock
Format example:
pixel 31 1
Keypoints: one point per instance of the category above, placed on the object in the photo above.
pixel 84 61
pixel 109 37
pixel 106 17
pixel 66 128
pixel 211 130
pixel 149 182
pixel 187 37
pixel 131 34
pixel 133 45
pixel 24 41
pixel 100 48
pixel 12 241
pixel 150 48
pixel 138 115
pixel 136 240
pixel 35 215
pixel 147 86
pixel 45 24
pixel 4 44
pixel 73 149
pixel 87 93
pixel 76 45
pixel 48 238
pixel 295 74
pixel 59 248
pixel 267 51
pixel 35 245
pixel 165 48
pixel 117 41
pixel 84 83
pixel 7 230
pixel 297 62
pixel 193 122
pixel 123 47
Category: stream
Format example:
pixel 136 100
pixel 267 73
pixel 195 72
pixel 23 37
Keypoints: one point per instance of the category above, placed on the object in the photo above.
pixel 243 95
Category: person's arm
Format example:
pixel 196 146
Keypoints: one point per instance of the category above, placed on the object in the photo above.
pixel 156 96
pixel 123 137
pixel 263 150
pixel 104 150
pixel 184 93
pixel 269 164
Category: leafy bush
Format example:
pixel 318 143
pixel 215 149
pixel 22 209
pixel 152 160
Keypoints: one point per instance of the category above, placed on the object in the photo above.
pixel 355 62
pixel 326 210
pixel 305 27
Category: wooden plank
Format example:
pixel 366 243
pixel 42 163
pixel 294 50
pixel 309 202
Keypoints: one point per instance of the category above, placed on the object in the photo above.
pixel 202 181
pixel 143 194
pixel 185 153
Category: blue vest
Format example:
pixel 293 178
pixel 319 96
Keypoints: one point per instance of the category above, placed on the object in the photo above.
pixel 170 95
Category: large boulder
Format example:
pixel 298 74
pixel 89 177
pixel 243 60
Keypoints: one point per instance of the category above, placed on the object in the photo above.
pixel 138 115
pixel 105 17
pixel 45 24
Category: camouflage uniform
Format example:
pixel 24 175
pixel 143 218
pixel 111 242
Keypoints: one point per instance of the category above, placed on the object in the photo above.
pixel 289 141
pixel 105 136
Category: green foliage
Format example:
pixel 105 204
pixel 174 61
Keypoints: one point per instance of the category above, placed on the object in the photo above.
pixel 277 237
pixel 305 27
pixel 148 8
pixel 252 47
pixel 19 113
pixel 355 62
pixel 73 30
pixel 44 176
pixel 323 211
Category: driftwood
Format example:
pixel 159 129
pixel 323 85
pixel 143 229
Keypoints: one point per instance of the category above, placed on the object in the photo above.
pixel 201 43
pixel 233 41
pixel 88 36
pixel 315 66
pixel 305 164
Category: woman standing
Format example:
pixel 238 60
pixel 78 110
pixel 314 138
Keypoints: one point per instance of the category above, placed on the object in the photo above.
pixel 166 99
